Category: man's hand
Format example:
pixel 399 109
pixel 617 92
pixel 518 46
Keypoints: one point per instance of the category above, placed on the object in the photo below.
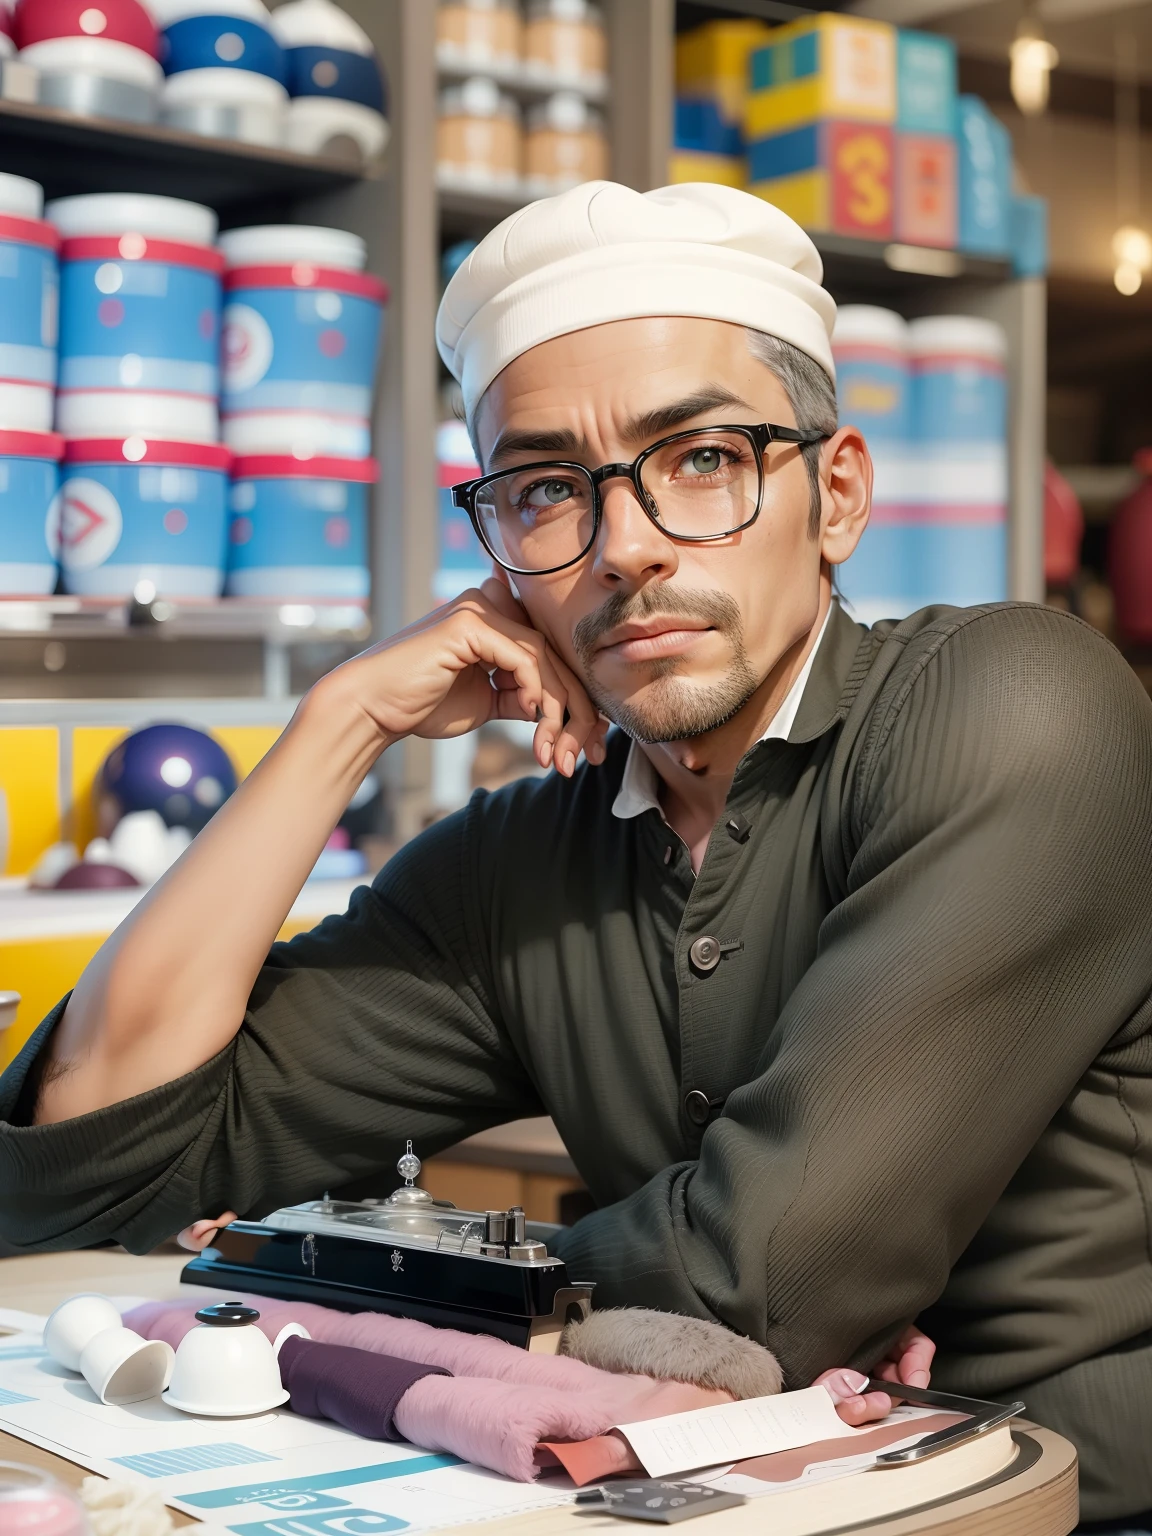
pixel 201 1233
pixel 908 1361
pixel 473 660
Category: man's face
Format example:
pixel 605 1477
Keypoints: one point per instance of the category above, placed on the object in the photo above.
pixel 670 638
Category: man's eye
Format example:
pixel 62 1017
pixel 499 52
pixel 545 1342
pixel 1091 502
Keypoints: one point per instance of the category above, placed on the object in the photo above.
pixel 548 493
pixel 703 461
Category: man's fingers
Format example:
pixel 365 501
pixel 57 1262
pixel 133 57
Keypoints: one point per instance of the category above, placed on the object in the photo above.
pixel 914 1353
pixel 852 1405
pixel 201 1233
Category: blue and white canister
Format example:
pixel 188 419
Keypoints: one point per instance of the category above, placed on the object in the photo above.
pixel 299 528
pixel 301 341
pixel 226 73
pixel 29 512
pixel 337 85
pixel 29 289
pixel 139 318
pixel 139 510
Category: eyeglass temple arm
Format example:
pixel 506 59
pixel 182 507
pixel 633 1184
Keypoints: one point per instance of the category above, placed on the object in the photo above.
pixel 796 435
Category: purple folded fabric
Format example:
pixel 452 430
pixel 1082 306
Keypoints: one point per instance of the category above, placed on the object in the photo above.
pixel 355 1388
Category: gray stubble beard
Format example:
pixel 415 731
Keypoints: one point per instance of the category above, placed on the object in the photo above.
pixel 674 709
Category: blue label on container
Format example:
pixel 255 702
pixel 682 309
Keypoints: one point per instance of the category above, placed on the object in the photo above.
pixel 142 515
pixel 139 325
pixel 958 400
pixel 336 72
pixel 874 394
pixel 460 549
pixel 28 306
pixel 222 42
pixel 900 567
pixel 300 349
pixel 29 519
pixel 298 536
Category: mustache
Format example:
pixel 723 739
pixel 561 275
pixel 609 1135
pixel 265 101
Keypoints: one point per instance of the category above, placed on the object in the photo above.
pixel 717 609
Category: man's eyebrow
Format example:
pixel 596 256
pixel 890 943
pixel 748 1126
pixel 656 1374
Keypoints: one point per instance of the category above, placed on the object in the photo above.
pixel 563 441
pixel 666 418
pixel 648 424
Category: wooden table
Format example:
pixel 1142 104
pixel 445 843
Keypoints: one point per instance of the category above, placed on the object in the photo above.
pixel 1040 1501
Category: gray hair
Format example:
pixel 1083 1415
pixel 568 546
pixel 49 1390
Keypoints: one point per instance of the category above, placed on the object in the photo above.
pixel 812 396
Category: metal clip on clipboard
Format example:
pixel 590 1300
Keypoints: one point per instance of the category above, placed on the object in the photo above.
pixel 983 1416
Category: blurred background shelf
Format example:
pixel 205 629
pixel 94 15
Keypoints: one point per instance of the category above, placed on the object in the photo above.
pixel 224 618
pixel 70 154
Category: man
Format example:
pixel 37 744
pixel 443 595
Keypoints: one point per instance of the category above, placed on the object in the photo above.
pixel 832 966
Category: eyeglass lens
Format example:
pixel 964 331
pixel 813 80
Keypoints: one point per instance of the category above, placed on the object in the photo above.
pixel 701 486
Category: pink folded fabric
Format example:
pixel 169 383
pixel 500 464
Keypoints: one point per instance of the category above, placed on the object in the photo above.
pixel 500 1402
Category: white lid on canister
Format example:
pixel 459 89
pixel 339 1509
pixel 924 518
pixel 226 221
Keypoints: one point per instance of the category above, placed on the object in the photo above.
pixel 970 334
pixel 866 323
pixel 478 96
pixel 20 196
pixel 318 24
pixel 282 244
pixel 142 213
pixel 564 112
pixel 223 87
pixel 167 12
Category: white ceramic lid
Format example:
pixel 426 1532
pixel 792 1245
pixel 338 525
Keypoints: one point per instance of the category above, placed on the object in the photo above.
pixel 957 333
pixel 20 196
pixel 281 244
pixel 868 322
pixel 167 12
pixel 478 96
pixel 564 112
pixel 117 213
pixel 222 87
pixel 318 24
pixel 103 57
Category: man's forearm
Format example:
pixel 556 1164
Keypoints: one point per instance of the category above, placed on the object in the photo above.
pixel 169 988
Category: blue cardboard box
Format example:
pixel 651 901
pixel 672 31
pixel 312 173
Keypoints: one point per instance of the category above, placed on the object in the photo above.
pixel 985 147
pixel 1029 236
pixel 925 83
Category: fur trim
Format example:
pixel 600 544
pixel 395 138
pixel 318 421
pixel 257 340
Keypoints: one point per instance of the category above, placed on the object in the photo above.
pixel 673 1348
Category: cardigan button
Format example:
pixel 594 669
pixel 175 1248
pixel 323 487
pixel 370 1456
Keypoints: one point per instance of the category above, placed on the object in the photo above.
pixel 697 1107
pixel 704 953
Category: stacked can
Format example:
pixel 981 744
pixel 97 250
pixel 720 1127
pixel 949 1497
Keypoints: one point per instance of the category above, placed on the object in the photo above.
pixel 960 428
pixel 29 451
pixel 339 99
pixel 930 397
pixel 29 512
pixel 97 60
pixel 462 561
pixel 28 306
pixel 301 335
pixel 873 388
pixel 225 71
pixel 299 527
pixel 140 314
pixel 143 516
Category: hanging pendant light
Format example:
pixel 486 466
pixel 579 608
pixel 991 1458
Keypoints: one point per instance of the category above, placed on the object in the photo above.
pixel 1033 59
pixel 1131 244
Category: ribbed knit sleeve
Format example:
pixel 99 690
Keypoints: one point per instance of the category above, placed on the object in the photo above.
pixel 370 1029
pixel 992 938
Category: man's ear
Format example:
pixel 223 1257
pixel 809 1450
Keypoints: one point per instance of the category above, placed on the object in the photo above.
pixel 845 494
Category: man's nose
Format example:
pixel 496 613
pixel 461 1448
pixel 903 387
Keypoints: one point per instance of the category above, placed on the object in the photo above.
pixel 630 548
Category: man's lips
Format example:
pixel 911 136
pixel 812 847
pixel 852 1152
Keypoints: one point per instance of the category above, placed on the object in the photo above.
pixel 656 637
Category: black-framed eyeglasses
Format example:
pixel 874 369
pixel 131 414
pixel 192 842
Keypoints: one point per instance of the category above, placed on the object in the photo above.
pixel 695 486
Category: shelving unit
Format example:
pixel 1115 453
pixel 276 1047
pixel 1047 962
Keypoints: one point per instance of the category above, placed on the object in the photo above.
pixel 406 222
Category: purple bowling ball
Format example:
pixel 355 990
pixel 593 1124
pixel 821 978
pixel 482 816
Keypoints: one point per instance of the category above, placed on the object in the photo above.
pixel 183 773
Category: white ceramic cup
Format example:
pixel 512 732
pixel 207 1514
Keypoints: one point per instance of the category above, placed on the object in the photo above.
pixel 226 1367
pixel 74 1323
pixel 121 1367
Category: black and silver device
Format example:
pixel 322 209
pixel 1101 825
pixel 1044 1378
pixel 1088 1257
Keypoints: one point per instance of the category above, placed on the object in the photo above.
pixel 408 1255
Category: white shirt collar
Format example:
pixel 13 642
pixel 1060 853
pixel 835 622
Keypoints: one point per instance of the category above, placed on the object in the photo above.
pixel 639 787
